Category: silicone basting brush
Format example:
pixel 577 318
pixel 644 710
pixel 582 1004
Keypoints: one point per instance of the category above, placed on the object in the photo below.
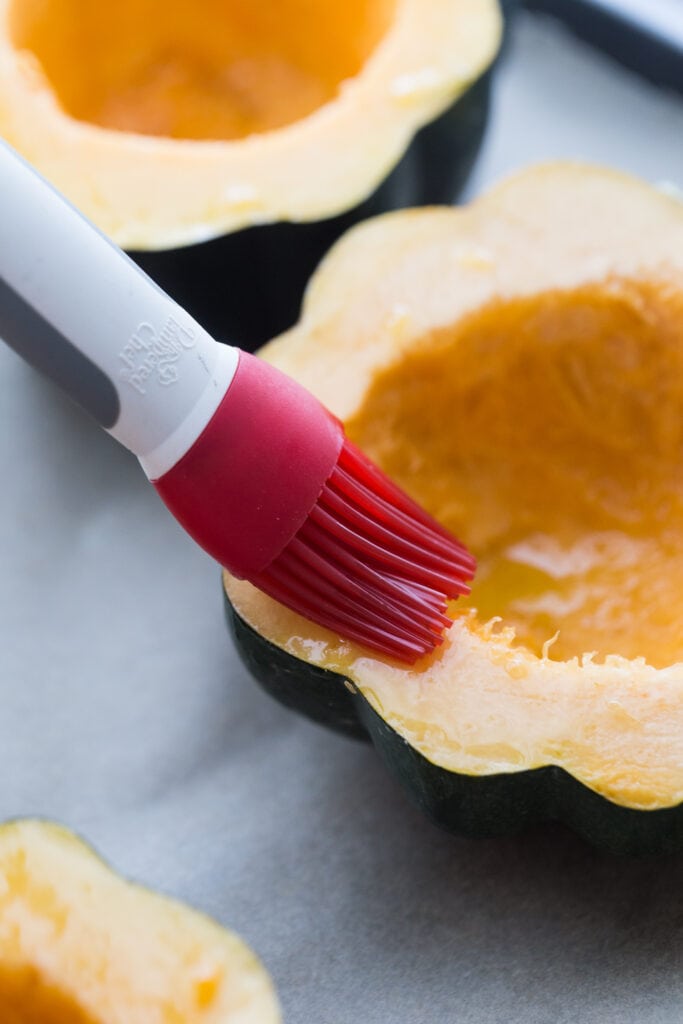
pixel 250 463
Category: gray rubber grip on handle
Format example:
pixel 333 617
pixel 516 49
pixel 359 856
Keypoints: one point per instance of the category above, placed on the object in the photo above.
pixel 46 349
pixel 82 312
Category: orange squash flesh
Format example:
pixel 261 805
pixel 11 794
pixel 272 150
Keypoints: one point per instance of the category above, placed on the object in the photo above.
pixel 205 70
pixel 172 123
pixel 548 432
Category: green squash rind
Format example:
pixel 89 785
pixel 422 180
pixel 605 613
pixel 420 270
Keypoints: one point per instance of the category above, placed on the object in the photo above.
pixel 323 696
pixel 478 806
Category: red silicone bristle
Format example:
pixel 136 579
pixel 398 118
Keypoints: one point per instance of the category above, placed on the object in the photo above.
pixel 371 564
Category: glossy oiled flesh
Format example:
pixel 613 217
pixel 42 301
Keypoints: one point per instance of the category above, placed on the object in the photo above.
pixel 208 69
pixel 26 998
pixel 548 433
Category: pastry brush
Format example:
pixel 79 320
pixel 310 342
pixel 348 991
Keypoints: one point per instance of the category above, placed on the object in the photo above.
pixel 256 470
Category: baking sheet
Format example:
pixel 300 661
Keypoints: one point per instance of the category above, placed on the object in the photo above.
pixel 125 714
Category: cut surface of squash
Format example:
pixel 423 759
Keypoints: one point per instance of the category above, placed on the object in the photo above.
pixel 78 945
pixel 518 367
pixel 205 70
pixel 548 431
pixel 173 123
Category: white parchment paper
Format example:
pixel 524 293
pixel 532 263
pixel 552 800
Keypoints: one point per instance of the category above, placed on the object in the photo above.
pixel 125 714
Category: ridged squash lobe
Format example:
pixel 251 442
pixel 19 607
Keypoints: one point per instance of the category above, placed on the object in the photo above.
pixel 517 366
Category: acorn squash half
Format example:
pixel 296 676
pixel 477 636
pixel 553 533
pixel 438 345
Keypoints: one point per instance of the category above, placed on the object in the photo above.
pixel 78 945
pixel 518 367
pixel 227 143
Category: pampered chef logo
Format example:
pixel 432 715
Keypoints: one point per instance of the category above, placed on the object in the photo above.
pixel 151 353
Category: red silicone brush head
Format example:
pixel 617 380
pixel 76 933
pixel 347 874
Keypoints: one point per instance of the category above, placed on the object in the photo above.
pixel 371 564
pixel 278 495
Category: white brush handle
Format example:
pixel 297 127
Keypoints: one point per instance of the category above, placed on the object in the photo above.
pixel 74 305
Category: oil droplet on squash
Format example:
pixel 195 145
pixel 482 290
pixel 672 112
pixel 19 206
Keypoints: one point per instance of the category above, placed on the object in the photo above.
pixel 547 433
